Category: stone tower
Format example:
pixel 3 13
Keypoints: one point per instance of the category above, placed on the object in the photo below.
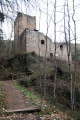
pixel 20 24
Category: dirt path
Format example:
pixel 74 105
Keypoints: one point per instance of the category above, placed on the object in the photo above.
pixel 14 99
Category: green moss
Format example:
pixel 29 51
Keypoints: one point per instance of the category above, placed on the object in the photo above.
pixel 47 111
pixel 41 112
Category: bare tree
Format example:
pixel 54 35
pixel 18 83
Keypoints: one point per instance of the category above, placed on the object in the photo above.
pixel 55 52
pixel 45 55
pixel 69 52
pixel 75 56
pixel 40 80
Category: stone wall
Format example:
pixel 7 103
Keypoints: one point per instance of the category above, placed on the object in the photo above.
pixel 61 52
pixel 36 41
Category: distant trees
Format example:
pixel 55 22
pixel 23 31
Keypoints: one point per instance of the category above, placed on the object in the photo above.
pixel 1 21
pixel 1 17
pixel 1 34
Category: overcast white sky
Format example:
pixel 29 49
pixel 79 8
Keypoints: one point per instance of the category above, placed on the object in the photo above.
pixel 39 8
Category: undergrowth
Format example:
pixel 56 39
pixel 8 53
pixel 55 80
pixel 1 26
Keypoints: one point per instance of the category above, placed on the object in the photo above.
pixel 28 64
pixel 2 96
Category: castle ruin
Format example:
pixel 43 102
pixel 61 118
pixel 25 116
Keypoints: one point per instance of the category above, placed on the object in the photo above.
pixel 27 39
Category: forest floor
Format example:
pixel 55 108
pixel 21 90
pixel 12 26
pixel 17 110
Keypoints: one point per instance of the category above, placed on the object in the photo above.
pixel 14 99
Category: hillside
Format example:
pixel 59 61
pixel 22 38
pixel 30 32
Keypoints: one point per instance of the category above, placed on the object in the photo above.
pixel 77 50
pixel 26 69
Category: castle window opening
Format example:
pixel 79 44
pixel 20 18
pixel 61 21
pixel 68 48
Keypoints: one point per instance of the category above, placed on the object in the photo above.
pixel 42 42
pixel 61 47
pixel 51 55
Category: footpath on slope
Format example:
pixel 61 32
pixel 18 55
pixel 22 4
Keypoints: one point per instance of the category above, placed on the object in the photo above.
pixel 15 100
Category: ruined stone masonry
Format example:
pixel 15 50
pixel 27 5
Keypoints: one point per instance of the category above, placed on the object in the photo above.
pixel 28 39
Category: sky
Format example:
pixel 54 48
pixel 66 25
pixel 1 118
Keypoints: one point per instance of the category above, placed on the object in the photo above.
pixel 38 8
